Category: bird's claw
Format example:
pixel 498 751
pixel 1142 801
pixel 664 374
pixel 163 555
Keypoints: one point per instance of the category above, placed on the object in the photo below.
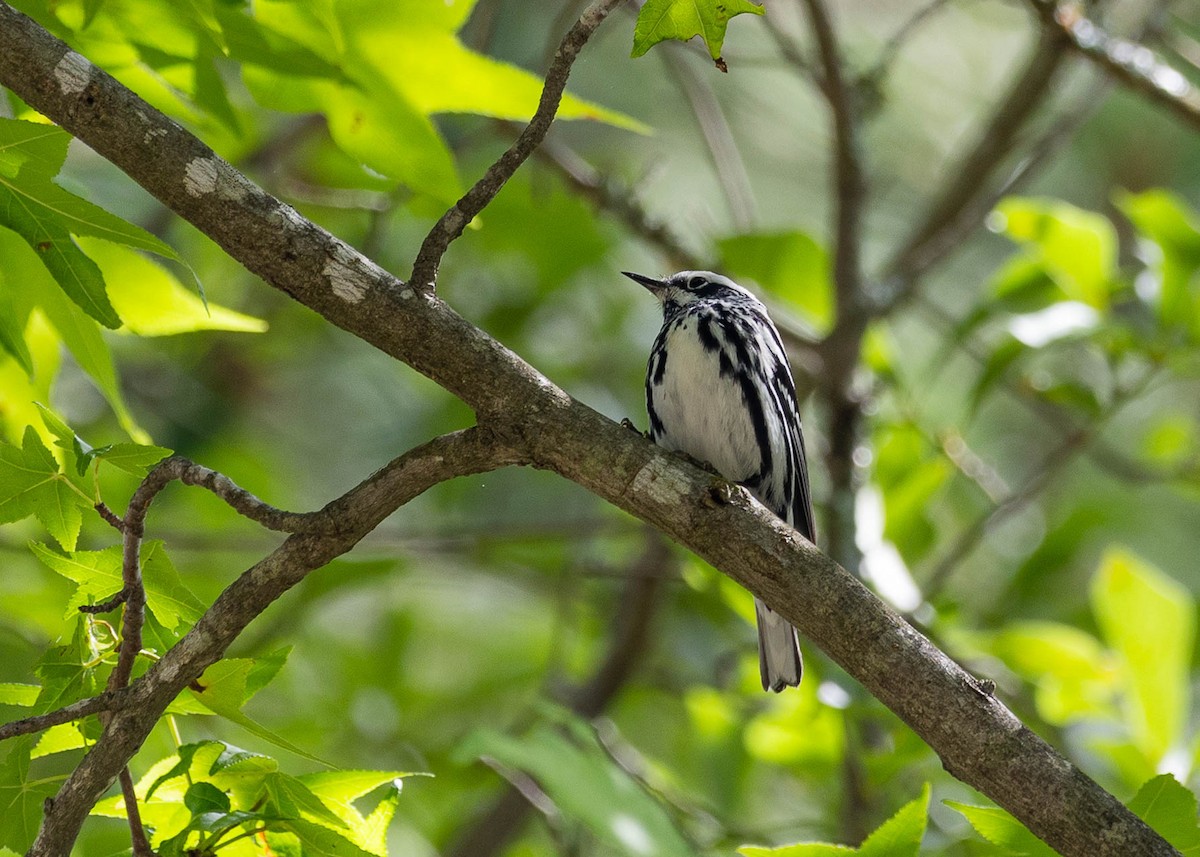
pixel 628 424
pixel 719 494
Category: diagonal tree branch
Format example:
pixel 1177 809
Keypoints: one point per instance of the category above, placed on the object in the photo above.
pixel 107 701
pixel 455 220
pixel 527 419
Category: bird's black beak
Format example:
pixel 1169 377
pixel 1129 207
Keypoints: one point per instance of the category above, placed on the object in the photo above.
pixel 655 286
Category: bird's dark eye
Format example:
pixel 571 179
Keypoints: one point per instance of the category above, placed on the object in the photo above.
pixel 696 282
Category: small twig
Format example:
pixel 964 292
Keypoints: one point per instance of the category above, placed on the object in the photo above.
pixel 133 526
pixel 1133 64
pixel 107 701
pixel 133 595
pixel 110 517
pixel 141 845
pixel 105 606
pixel 455 220
pixel 788 49
pixel 621 202
pixel 849 180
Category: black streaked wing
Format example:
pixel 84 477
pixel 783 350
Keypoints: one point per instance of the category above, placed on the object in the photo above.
pixel 783 391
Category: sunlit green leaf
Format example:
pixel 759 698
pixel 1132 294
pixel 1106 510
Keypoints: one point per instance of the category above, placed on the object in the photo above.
pixel 291 798
pixel 135 458
pixel 224 692
pixel 321 841
pixel 1072 674
pixel 47 216
pixel 80 333
pixel 1170 808
pixel 900 835
pixel 1077 248
pixel 32 484
pixel 58 739
pixel 14 693
pixel 152 302
pixel 1149 619
pixel 72 671
pixel 99 576
pixel 12 328
pixel 1170 223
pixel 660 20
pixel 998 827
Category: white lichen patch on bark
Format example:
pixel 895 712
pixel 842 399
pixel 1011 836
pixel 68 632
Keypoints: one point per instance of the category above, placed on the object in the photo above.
pixel 347 273
pixel 200 176
pixel 72 73
pixel 660 483
pixel 212 175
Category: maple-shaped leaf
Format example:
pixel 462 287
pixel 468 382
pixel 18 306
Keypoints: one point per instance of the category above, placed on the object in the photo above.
pixel 661 20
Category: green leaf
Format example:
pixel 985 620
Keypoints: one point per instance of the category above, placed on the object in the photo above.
pixel 135 458
pixel 998 827
pixel 788 265
pixel 900 835
pixel 1170 808
pixel 660 20
pixel 1167 220
pixel 320 841
pixel 264 670
pixel 99 576
pixel 224 693
pixel 83 339
pixel 22 799
pixel 291 798
pixel 1149 619
pixel 47 216
pixel 184 754
pixel 1077 248
pixel 338 790
pixel 12 328
pixel 152 302
pixel 70 672
pixel 586 785
pixel 31 484
pixel 202 798
pixel 58 739
pixel 14 693
pixel 343 787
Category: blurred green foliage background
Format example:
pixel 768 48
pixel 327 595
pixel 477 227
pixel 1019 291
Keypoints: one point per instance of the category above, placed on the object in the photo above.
pixel 1025 486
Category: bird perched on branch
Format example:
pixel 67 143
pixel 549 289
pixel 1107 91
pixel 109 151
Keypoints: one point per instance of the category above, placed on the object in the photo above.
pixel 719 389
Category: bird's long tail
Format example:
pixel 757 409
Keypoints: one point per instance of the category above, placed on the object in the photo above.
pixel 778 650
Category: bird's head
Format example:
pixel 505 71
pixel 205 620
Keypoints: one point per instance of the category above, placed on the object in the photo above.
pixel 681 290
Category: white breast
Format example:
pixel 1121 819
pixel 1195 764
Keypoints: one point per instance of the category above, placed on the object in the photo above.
pixel 703 413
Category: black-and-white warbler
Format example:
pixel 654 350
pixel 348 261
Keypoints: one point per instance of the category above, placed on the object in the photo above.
pixel 719 388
